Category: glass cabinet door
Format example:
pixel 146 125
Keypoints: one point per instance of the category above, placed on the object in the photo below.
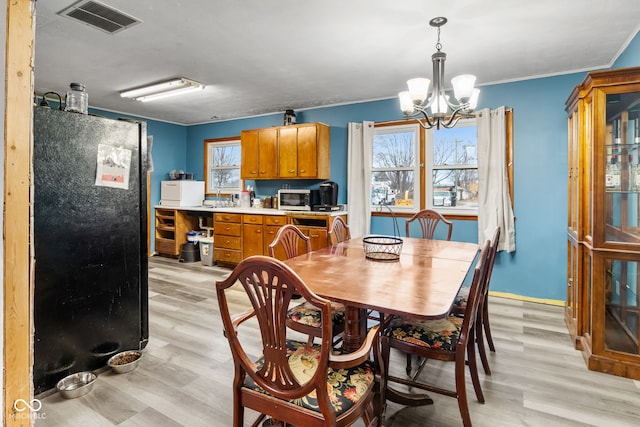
pixel 622 306
pixel 622 168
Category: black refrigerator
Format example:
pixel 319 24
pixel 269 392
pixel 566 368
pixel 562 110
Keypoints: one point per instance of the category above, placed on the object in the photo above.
pixel 90 242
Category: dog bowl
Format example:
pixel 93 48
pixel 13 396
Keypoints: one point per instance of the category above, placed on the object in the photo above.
pixel 76 385
pixel 125 361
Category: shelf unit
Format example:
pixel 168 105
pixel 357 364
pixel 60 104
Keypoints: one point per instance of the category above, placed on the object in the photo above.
pixel 171 230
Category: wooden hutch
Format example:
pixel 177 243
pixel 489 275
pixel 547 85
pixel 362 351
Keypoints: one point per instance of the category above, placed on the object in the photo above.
pixel 603 305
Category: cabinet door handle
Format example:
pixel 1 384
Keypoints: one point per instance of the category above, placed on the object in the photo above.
pixel 263 172
pixel 258 231
pixel 292 170
pixel 302 171
pixel 254 172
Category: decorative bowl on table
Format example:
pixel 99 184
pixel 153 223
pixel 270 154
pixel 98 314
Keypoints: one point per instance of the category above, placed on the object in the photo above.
pixel 382 248
pixel 76 385
pixel 125 362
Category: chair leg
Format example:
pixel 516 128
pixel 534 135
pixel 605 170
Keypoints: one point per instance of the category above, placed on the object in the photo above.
pixel 481 349
pixel 462 393
pixel 485 325
pixel 408 368
pixel 473 369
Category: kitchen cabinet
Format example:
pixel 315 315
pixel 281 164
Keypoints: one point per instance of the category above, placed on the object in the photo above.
pixel 227 238
pixel 603 234
pixel 272 224
pixel 252 235
pixel 171 230
pixel 303 151
pixel 286 152
pixel 259 153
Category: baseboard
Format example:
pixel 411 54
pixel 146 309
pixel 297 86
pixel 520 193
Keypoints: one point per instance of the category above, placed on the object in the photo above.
pixel 556 302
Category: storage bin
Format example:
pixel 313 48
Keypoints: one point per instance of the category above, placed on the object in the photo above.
pixel 189 253
pixel 206 250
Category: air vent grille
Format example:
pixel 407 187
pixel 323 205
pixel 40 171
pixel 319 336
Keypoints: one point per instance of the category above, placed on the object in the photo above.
pixel 98 15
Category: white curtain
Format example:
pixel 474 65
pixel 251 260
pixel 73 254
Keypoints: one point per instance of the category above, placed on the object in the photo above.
pixel 494 204
pixel 359 178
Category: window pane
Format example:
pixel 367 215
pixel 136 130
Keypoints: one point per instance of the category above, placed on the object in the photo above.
pixel 224 179
pixel 393 150
pixel 226 155
pixel 455 187
pixel 456 146
pixel 392 188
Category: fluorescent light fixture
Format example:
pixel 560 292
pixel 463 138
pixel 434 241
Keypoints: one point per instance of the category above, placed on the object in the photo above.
pixel 161 90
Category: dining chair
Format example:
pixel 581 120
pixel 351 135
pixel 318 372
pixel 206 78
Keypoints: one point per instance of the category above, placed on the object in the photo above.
pixel 339 232
pixel 290 242
pixel 449 339
pixel 428 220
pixel 292 382
pixel 461 301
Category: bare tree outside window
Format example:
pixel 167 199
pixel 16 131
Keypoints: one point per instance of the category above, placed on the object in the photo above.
pixel 223 166
pixel 393 168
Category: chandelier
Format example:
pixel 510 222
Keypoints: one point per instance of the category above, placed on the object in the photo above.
pixel 412 102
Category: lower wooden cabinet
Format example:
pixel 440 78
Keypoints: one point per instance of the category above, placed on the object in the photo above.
pixel 227 238
pixel 171 230
pixel 241 235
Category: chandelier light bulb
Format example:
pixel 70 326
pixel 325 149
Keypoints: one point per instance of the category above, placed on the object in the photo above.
pixel 418 89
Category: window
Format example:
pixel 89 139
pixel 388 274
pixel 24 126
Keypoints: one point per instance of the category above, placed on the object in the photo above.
pixel 413 168
pixel 395 166
pixel 452 164
pixel 222 165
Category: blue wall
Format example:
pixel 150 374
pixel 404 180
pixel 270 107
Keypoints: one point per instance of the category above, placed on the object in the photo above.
pixel 538 267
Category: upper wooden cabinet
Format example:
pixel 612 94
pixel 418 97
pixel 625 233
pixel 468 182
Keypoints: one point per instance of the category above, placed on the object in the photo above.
pixel 286 152
pixel 259 153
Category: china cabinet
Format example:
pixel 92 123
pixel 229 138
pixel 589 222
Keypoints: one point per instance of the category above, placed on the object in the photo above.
pixel 603 306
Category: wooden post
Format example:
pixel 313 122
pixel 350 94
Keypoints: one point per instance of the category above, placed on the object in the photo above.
pixel 18 280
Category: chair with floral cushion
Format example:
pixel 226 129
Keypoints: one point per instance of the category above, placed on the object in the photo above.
pixel 429 221
pixel 449 339
pixel 339 232
pixel 304 318
pixel 460 304
pixel 292 382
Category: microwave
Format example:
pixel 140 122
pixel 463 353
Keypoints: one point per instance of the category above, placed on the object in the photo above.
pixel 294 200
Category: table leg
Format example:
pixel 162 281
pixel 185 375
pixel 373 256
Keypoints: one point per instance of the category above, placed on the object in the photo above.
pixel 355 328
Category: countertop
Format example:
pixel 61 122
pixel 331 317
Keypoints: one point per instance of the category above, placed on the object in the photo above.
pixel 254 211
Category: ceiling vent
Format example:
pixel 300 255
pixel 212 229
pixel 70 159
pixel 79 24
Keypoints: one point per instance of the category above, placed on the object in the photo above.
pixel 100 16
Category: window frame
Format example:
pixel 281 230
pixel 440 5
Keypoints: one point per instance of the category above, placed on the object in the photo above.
pixel 417 169
pixel 210 144
pixel 430 167
pixel 457 214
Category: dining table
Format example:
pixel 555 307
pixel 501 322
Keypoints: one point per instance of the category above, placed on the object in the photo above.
pixel 422 283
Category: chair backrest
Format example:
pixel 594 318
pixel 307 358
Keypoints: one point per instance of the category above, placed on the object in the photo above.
pixel 339 232
pixel 289 242
pixel 475 297
pixel 269 285
pixel 429 220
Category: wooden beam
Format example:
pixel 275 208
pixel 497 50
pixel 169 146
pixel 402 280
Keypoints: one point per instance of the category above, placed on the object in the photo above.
pixel 18 283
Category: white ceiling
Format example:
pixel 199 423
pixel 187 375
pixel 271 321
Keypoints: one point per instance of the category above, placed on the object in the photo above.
pixel 259 56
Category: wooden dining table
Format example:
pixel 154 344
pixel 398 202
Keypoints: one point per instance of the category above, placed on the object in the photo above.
pixel 422 283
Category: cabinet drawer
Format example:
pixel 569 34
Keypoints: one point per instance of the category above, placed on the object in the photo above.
pixel 226 255
pixel 227 242
pixel 166 246
pixel 226 229
pixel 252 219
pixel 275 220
pixel 227 217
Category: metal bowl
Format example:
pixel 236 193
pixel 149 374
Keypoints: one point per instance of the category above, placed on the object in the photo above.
pixel 125 361
pixel 76 385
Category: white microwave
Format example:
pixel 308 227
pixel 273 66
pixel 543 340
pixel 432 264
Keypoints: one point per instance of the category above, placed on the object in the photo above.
pixel 294 200
pixel 182 193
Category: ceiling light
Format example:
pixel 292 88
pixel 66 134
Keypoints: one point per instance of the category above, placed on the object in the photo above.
pixel 161 90
pixel 412 102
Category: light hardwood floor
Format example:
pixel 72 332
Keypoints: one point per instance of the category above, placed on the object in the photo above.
pixel 185 375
